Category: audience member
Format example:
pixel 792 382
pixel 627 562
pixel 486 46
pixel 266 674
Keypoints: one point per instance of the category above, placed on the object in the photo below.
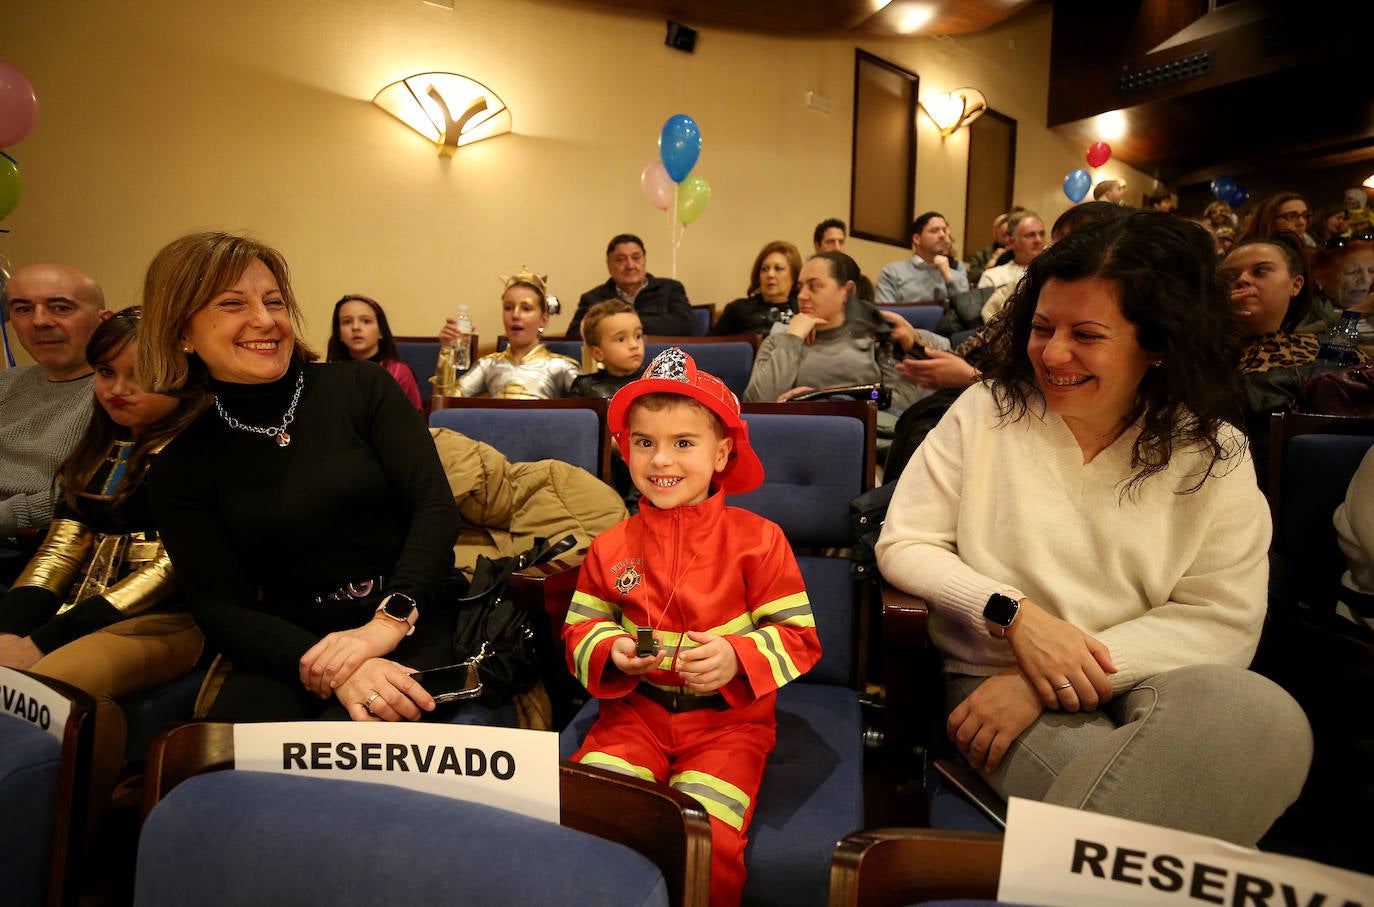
pixel 1218 214
pixel 97 606
pixel 829 235
pixel 44 406
pixel 661 302
pixel 771 299
pixel 1329 223
pixel 359 330
pixel 981 260
pixel 1028 241
pixel 697 713
pixel 930 274
pixel 1356 200
pixel 306 512
pixel 1283 212
pixel 1113 191
pixel 1354 522
pixel 828 344
pixel 1160 200
pixel 615 340
pixel 1116 645
pixel 1344 269
pixel 525 369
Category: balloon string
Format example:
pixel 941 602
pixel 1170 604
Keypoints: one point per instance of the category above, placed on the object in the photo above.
pixel 672 216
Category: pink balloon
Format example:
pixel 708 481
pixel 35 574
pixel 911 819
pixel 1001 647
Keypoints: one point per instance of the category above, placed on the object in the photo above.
pixel 1099 153
pixel 657 185
pixel 18 106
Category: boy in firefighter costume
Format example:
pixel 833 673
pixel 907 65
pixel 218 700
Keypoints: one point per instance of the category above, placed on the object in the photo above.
pixel 718 589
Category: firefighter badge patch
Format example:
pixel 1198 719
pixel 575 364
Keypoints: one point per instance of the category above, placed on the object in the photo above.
pixel 628 579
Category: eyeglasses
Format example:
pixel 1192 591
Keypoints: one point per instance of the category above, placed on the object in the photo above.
pixel 1293 215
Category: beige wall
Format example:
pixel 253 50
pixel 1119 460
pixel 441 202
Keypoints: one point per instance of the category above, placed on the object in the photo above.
pixel 162 117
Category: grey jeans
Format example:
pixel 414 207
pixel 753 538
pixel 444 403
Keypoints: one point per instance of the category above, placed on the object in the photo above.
pixel 1209 749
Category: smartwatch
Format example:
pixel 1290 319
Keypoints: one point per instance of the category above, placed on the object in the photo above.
pixel 999 612
pixel 402 608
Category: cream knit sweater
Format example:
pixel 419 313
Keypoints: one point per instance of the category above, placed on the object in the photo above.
pixel 1163 579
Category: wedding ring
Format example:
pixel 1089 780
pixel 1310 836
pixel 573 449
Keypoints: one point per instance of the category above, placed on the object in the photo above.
pixel 371 699
pixel 1063 686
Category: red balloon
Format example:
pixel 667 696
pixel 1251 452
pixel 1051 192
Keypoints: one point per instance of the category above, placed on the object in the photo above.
pixel 1099 153
pixel 18 105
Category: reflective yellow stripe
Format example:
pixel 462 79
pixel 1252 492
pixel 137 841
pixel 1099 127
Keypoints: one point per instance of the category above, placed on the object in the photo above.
pixel 616 764
pixel 582 654
pixel 721 799
pixel 793 610
pixel 770 645
pixel 589 607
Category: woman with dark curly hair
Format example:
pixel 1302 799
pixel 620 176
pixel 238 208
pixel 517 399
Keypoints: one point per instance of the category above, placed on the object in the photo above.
pixel 1086 527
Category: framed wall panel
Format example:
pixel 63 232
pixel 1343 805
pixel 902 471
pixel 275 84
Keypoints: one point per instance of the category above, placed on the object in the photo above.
pixel 883 178
pixel 991 177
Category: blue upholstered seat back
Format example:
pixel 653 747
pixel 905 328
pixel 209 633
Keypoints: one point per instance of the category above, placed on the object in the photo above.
pixel 813 466
pixel 529 433
pixel 421 358
pixel 701 321
pixel 1317 472
pixel 251 838
pixel 29 766
pixel 920 316
pixel 731 361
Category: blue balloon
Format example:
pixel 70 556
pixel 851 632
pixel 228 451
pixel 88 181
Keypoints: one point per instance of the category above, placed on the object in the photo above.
pixel 1076 185
pixel 1238 197
pixel 679 145
pixel 1222 187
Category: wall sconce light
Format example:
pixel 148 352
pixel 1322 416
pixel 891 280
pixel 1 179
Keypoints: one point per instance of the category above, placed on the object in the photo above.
pixel 446 108
pixel 955 109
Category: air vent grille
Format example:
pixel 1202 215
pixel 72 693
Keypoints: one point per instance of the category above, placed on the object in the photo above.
pixel 1166 73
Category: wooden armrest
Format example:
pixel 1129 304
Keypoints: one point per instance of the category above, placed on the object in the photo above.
pixel 890 866
pixel 183 752
pixel 910 695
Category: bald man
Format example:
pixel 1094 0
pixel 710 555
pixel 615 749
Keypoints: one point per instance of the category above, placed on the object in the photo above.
pixel 44 408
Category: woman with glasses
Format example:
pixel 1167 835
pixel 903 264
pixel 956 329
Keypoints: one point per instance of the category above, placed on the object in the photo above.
pixel 1285 212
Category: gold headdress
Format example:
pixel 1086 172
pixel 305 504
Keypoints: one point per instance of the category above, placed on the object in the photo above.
pixel 527 277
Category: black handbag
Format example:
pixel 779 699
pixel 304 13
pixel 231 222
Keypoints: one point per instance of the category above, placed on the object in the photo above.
pixel 492 634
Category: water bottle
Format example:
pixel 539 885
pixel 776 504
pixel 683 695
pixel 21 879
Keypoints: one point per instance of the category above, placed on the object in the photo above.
pixel 1341 344
pixel 462 347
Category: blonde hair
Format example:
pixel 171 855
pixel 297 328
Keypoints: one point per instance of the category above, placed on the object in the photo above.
pixel 182 279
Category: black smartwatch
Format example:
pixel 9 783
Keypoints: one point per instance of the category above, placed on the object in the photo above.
pixel 400 607
pixel 999 612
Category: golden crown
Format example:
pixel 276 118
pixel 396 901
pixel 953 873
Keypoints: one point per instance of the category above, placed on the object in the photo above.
pixel 526 276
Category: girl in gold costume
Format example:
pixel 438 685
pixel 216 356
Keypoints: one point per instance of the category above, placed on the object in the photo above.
pixel 96 607
pixel 525 369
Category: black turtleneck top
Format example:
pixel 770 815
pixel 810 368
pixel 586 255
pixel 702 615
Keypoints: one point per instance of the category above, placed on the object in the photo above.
pixel 257 532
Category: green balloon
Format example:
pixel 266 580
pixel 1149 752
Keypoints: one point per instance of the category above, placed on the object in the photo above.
pixel 11 185
pixel 693 194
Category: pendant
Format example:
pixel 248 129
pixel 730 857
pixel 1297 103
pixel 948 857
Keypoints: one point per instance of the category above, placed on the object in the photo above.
pixel 283 439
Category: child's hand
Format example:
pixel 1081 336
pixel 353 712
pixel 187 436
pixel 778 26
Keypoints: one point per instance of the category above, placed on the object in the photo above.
pixel 710 665
pixel 623 657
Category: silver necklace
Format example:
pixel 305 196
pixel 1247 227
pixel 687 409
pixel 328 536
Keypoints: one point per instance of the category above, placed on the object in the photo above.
pixel 276 432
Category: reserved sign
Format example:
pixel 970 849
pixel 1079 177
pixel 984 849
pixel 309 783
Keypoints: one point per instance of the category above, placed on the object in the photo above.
pixel 1063 857
pixel 31 700
pixel 504 767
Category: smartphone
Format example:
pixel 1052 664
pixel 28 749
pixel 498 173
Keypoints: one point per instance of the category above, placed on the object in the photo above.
pixel 451 683
pixel 644 642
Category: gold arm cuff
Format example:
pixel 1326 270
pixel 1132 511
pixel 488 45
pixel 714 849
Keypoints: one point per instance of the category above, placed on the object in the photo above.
pixel 148 586
pixel 58 560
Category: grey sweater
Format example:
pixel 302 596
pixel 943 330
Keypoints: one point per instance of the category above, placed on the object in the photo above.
pixel 40 422
pixel 836 358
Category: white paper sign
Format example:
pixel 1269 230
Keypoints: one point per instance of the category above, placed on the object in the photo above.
pixel 33 701
pixel 1062 857
pixel 504 767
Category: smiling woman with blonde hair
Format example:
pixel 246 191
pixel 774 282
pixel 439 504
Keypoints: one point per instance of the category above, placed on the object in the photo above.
pixel 306 512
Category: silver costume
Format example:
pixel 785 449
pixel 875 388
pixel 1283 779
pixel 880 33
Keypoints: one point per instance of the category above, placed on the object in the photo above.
pixel 540 375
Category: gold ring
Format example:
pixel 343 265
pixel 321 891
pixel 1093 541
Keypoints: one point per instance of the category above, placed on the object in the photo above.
pixel 371 699
pixel 1063 686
